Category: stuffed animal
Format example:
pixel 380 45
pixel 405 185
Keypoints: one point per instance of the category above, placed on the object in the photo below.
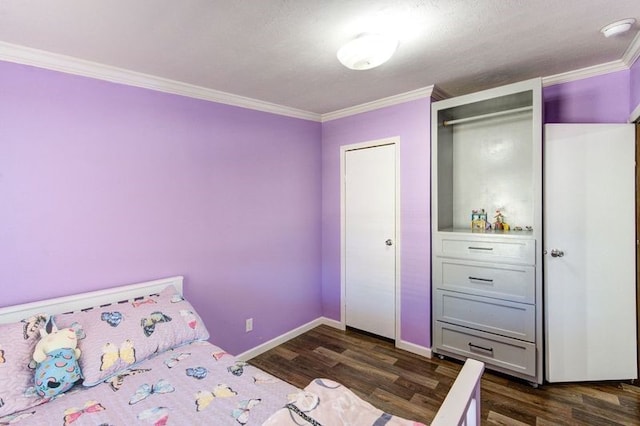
pixel 56 355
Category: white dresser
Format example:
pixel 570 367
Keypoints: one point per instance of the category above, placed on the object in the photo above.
pixel 487 285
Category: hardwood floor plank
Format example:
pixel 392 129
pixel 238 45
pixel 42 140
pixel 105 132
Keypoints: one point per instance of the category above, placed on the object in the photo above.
pixel 390 403
pixel 350 341
pixel 393 369
pixel 417 383
pixel 582 417
pixel 354 363
pixel 635 390
pixel 603 395
pixel 545 422
pixel 431 403
pixel 536 398
pixel 566 393
pixel 285 353
pixel 355 380
pixel 373 358
pixel 318 359
pixel 295 377
pixel 498 419
pixel 614 412
pixel 447 371
pixel 515 406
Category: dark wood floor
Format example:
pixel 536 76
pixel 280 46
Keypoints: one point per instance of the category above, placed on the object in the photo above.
pixel 411 386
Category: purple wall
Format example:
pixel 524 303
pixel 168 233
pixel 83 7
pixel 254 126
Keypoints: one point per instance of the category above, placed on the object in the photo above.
pixel 635 86
pixel 410 121
pixel 103 184
pixel 601 99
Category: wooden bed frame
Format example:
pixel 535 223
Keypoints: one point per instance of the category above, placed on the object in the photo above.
pixel 460 407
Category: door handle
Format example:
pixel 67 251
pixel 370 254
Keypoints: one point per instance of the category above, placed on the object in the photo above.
pixel 389 242
pixel 557 253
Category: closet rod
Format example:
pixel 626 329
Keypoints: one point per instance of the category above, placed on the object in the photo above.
pixel 482 116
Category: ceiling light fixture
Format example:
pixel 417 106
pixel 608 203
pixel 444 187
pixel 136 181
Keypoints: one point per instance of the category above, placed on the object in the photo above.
pixel 618 27
pixel 367 51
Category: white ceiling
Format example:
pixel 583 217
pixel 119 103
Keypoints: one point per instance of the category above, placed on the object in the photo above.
pixel 284 51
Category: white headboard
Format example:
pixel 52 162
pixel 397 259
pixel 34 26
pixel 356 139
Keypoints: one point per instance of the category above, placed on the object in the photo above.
pixel 89 299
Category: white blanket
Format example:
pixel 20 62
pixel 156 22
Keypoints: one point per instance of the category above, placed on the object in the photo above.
pixel 327 403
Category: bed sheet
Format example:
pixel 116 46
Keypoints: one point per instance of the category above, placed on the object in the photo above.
pixel 194 384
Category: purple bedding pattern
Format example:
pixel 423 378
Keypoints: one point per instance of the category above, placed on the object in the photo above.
pixel 119 335
pixel 194 384
pixel 17 343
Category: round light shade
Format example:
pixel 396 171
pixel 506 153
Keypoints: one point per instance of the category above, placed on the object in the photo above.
pixel 367 51
pixel 618 27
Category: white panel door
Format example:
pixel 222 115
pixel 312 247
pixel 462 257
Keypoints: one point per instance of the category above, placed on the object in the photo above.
pixel 589 220
pixel 370 269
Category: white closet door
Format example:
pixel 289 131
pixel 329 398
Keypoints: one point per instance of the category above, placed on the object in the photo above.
pixel 370 239
pixel 589 218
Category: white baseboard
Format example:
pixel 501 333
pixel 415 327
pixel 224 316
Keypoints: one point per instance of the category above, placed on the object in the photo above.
pixel 333 323
pixel 414 349
pixel 260 349
pixel 251 353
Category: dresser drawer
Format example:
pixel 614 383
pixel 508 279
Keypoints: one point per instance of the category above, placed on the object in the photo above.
pixel 510 319
pixel 502 352
pixel 509 282
pixel 486 248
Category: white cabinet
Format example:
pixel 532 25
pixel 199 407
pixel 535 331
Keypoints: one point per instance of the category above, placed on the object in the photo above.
pixel 496 280
pixel 487 284
pixel 493 249
pixel 514 356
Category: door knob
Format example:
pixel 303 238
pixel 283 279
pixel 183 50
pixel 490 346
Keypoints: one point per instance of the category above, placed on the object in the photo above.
pixel 389 242
pixel 557 253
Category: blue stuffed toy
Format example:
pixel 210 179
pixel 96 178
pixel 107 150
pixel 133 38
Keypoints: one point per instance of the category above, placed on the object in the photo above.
pixel 56 355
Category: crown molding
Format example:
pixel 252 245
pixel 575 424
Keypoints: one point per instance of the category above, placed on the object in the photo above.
pixel 633 51
pixel 438 94
pixel 425 92
pixel 630 56
pixel 70 65
pixel 587 72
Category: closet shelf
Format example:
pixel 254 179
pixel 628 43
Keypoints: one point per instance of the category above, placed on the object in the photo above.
pixel 485 116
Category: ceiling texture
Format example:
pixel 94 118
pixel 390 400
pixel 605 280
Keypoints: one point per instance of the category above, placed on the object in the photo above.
pixel 283 52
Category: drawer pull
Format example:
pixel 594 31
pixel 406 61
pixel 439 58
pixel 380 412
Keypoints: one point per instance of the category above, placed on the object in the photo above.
pixel 481 248
pixel 476 347
pixel 484 280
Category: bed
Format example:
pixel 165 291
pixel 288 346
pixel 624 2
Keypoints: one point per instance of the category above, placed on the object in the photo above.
pixel 145 359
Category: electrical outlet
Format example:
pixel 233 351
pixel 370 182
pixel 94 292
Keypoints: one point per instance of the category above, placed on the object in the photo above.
pixel 248 325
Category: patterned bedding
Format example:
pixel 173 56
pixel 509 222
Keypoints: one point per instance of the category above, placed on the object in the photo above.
pixel 144 360
pixel 196 384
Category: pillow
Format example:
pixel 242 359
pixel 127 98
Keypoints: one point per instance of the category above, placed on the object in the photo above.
pixel 17 342
pixel 117 336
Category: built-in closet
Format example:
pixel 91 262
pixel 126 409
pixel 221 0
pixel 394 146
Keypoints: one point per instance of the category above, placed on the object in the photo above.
pixel 486 207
